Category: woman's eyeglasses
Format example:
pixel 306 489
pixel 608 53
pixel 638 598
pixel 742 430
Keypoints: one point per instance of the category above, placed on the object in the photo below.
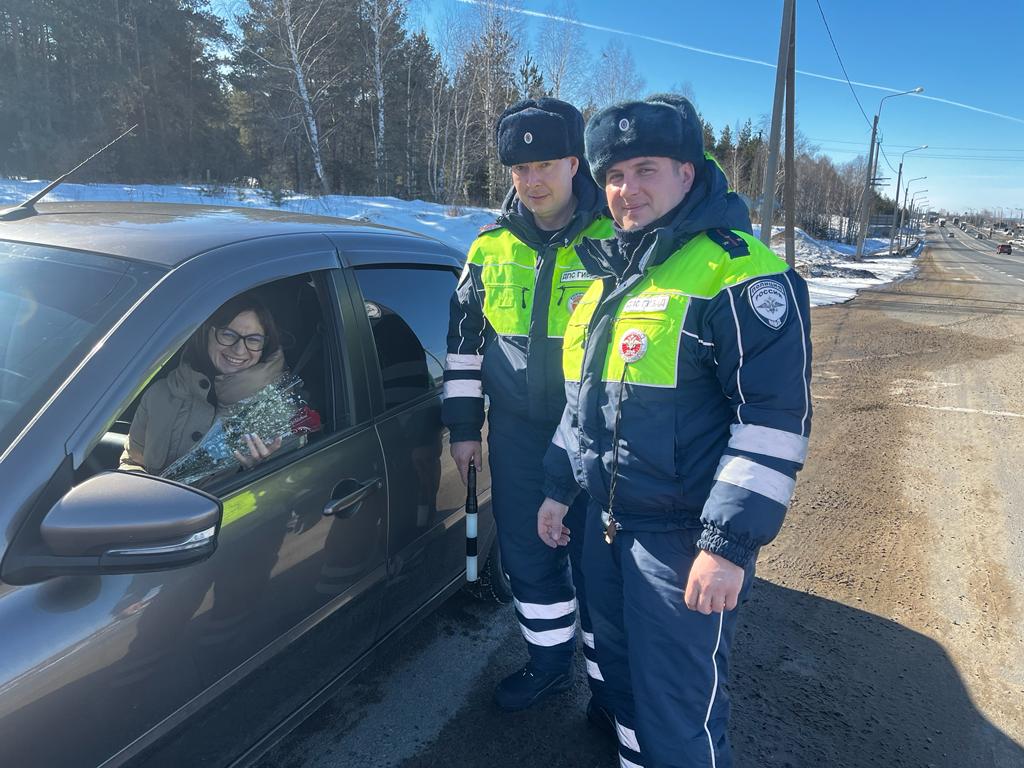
pixel 254 342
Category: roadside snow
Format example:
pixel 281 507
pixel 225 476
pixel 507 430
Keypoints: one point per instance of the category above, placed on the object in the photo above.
pixel 832 275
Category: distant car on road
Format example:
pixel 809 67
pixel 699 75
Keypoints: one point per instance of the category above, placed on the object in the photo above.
pixel 951 234
pixel 1004 248
pixel 980 236
pixel 155 623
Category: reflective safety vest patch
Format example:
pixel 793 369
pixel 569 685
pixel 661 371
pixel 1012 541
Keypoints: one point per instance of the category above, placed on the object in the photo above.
pixel 508 271
pixel 647 326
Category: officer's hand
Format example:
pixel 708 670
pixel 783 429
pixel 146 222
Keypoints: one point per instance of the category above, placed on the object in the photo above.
pixel 714 584
pixel 549 523
pixel 465 452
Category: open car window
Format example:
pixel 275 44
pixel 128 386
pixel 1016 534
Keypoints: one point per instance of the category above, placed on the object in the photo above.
pixel 193 423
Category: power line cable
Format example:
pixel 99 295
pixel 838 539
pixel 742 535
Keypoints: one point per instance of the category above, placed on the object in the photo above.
pixel 885 157
pixel 841 65
pixel 930 146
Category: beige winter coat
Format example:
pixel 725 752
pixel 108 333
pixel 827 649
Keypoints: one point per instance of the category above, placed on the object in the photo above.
pixel 174 413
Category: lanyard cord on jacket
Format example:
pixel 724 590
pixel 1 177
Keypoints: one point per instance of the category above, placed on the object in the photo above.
pixel 609 533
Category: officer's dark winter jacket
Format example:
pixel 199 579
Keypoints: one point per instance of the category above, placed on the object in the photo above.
pixel 693 350
pixel 509 312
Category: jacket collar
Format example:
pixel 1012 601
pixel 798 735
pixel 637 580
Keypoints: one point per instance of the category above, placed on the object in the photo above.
pixel 589 206
pixel 186 382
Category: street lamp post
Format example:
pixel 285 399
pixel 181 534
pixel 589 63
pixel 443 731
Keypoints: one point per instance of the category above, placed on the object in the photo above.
pixel 906 191
pixel 921 208
pixel 913 210
pixel 896 207
pixel 866 197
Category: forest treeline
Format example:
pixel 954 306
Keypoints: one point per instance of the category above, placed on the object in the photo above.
pixel 327 97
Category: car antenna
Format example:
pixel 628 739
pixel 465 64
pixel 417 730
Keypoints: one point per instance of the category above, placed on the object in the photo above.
pixel 27 208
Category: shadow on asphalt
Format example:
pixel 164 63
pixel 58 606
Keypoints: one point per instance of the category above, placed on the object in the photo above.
pixel 814 683
pixel 818 683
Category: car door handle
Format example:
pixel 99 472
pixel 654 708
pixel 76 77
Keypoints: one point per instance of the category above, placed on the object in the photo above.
pixel 346 505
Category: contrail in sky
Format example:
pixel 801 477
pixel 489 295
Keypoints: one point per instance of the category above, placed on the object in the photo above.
pixel 732 57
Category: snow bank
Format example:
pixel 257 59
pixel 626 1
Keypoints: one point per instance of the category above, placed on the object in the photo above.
pixel 832 275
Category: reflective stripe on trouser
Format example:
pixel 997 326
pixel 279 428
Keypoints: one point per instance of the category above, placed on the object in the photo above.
pixel 545 601
pixel 576 522
pixel 665 667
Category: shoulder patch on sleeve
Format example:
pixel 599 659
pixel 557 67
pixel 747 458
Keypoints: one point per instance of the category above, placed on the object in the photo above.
pixel 729 242
pixel 489 227
pixel 769 301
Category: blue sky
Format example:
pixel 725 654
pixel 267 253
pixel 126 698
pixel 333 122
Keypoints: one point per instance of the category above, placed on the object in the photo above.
pixel 959 52
pixel 962 52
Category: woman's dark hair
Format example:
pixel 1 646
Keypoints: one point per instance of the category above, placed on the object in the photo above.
pixel 195 353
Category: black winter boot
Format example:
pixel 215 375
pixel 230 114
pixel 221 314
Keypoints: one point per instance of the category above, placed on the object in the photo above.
pixel 524 688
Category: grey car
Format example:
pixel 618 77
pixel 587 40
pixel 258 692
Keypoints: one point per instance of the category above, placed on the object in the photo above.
pixel 153 623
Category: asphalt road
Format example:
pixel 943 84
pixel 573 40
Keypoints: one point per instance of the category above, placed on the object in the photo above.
pixel 886 625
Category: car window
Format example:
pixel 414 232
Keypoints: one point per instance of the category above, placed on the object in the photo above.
pixel 55 305
pixel 408 311
pixel 252 385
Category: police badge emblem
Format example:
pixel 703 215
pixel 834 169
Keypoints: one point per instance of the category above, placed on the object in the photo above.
pixel 574 301
pixel 769 302
pixel 633 345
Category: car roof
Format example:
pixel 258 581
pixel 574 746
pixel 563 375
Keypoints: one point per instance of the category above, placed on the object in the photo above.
pixel 168 234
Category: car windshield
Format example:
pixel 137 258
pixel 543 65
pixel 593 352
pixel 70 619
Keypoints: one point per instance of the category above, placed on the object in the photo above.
pixel 55 305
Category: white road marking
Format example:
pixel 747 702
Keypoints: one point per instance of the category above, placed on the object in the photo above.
pixel 864 359
pixel 963 410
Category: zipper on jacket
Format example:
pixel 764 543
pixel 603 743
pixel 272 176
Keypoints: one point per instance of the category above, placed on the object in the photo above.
pixel 524 290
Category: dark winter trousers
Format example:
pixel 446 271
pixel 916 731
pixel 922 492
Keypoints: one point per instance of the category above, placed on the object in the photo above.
pixel 542 582
pixel 665 667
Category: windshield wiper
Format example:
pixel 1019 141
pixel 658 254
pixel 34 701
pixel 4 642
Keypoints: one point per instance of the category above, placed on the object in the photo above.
pixel 27 208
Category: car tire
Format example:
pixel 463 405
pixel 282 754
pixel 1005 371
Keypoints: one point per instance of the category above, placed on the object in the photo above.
pixel 493 585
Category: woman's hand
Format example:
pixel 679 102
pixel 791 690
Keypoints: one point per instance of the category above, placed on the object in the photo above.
pixel 258 451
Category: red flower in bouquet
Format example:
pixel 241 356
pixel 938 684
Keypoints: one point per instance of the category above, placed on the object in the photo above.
pixel 306 420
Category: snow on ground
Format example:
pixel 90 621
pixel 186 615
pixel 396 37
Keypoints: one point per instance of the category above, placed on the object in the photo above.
pixel 415 215
pixel 832 275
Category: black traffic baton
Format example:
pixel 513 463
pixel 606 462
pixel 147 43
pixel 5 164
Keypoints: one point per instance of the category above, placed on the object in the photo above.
pixel 471 525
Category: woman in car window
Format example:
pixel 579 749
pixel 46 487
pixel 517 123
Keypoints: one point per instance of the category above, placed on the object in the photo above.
pixel 233 355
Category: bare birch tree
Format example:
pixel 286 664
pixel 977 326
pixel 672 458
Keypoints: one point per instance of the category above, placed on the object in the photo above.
pixel 383 20
pixel 615 76
pixel 562 54
pixel 302 34
pixel 494 54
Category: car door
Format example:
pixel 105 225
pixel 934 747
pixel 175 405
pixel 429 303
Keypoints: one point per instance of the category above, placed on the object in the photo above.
pixel 209 658
pixel 406 306
pixel 320 538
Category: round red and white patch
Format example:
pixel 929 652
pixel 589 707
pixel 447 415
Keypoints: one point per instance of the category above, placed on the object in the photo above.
pixel 633 345
pixel 574 301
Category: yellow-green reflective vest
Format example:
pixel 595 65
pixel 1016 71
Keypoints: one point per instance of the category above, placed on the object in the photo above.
pixel 508 269
pixel 648 322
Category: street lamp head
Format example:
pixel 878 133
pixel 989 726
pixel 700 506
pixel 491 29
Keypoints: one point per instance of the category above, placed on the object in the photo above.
pixel 919 89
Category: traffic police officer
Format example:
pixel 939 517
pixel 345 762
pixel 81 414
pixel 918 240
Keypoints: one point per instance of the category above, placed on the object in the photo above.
pixel 687 369
pixel 521 282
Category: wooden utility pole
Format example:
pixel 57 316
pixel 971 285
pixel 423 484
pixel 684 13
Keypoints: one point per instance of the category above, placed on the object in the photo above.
pixel 787 44
pixel 789 196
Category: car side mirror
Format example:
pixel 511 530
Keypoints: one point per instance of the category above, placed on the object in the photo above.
pixel 120 522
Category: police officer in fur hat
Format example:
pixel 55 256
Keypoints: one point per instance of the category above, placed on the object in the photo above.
pixel 521 283
pixel 687 367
